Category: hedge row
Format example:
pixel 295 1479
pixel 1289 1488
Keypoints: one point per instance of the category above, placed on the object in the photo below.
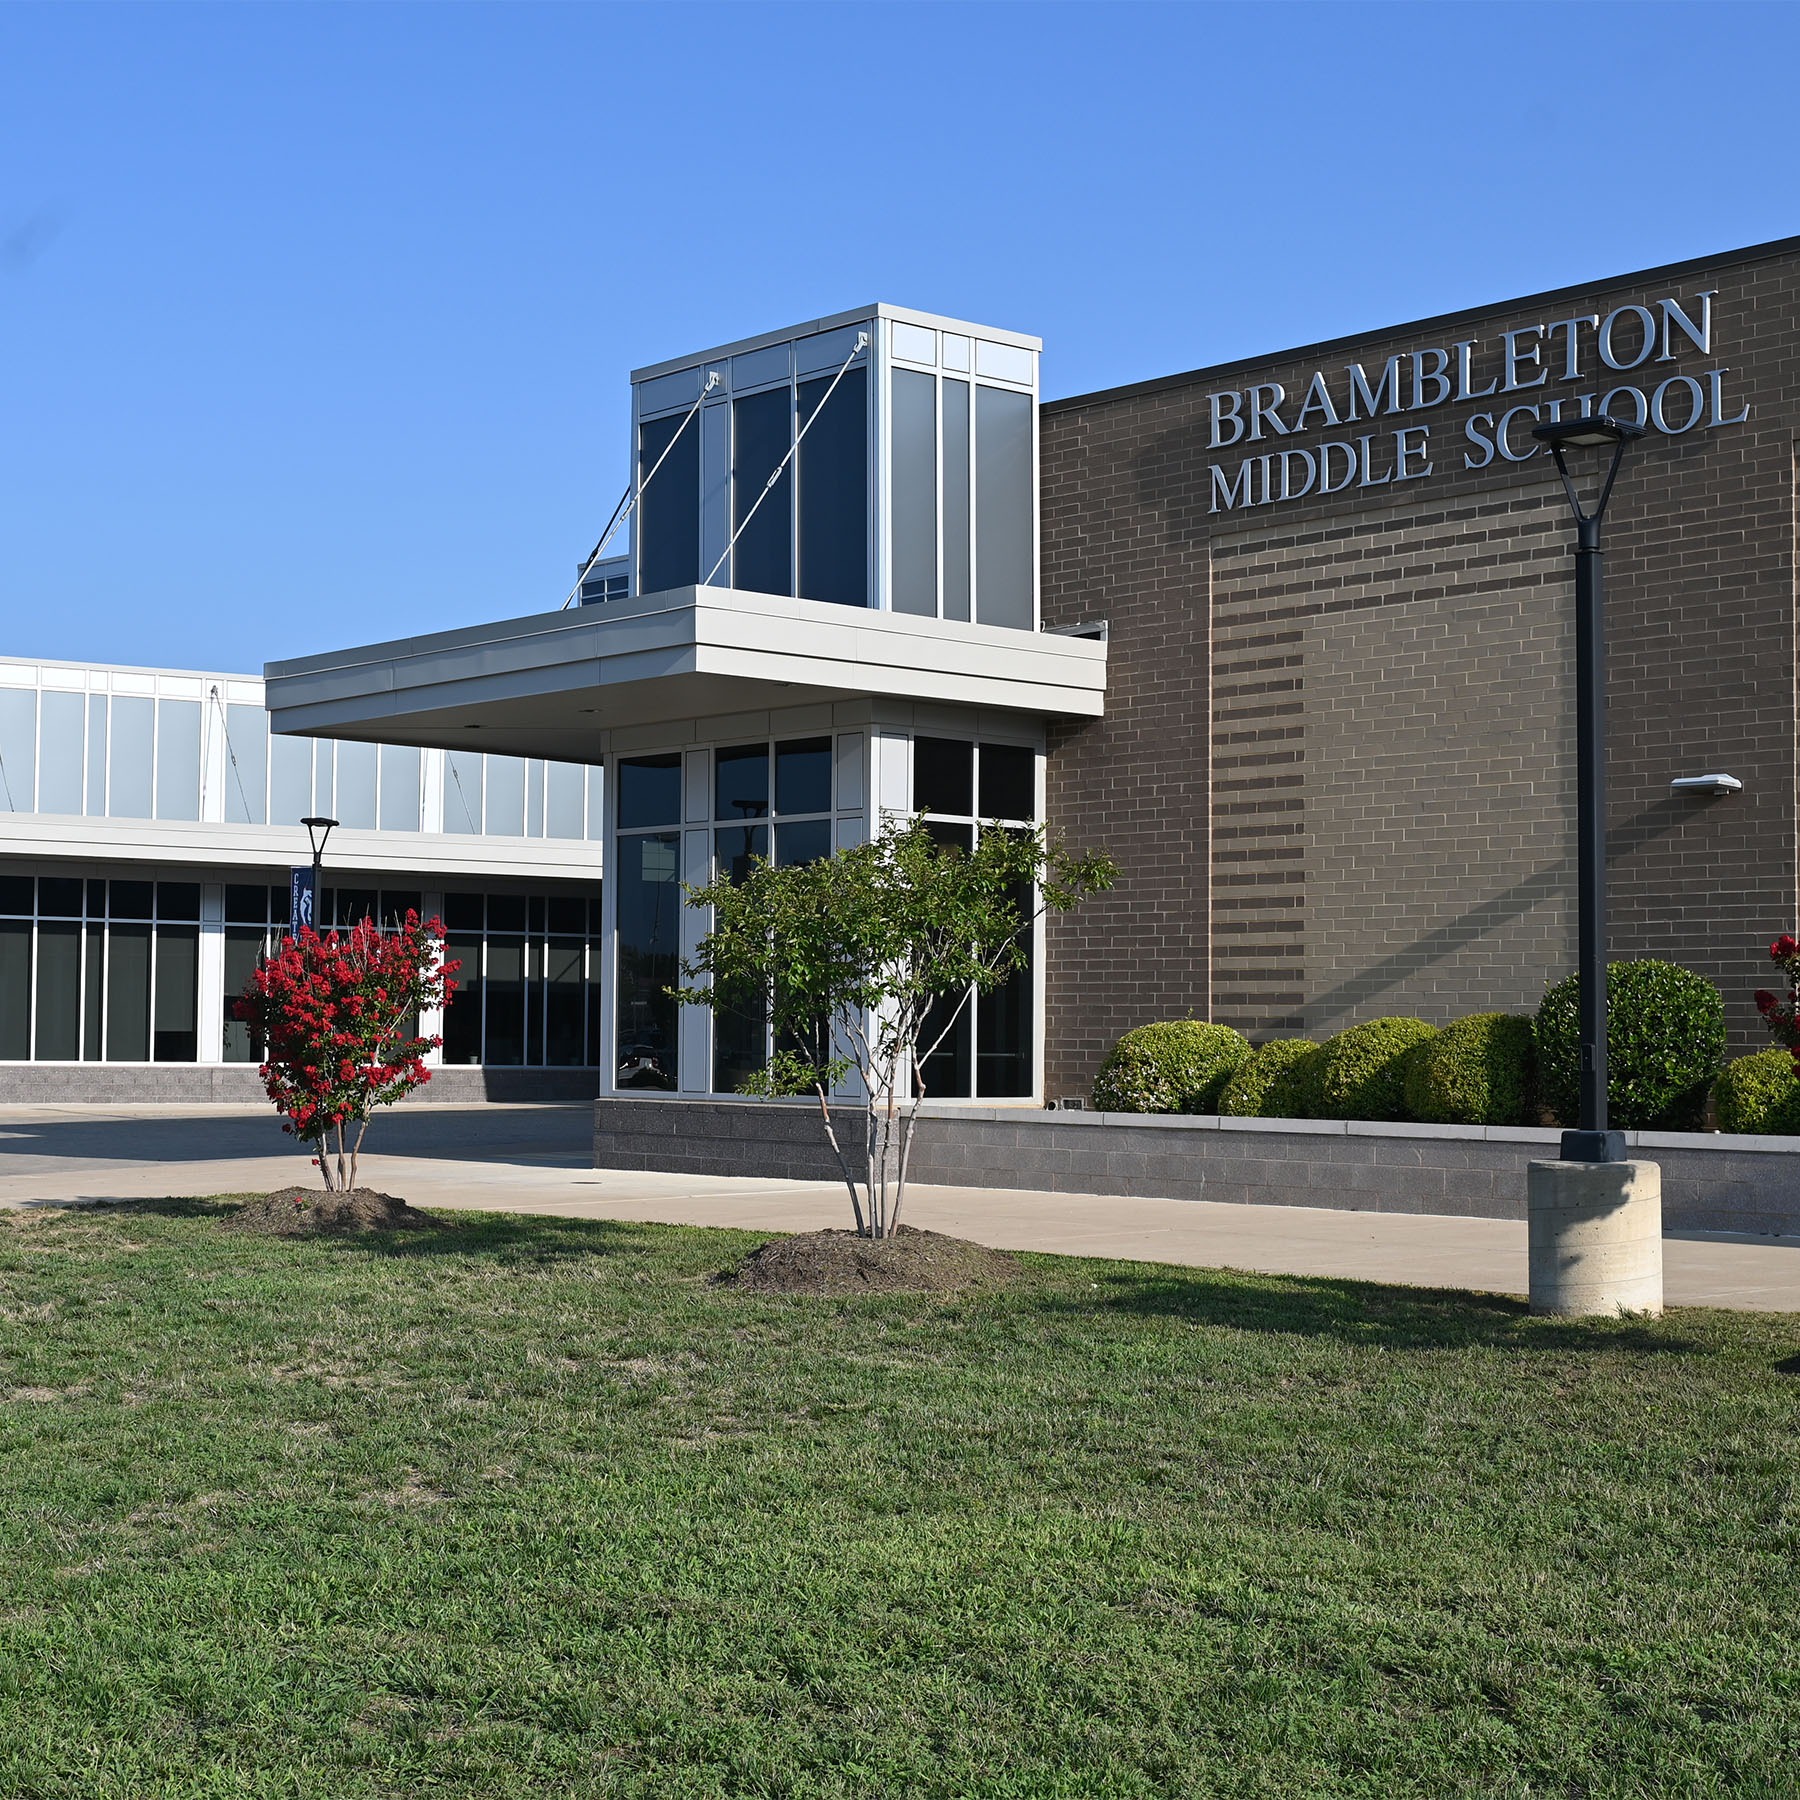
pixel 1666 1043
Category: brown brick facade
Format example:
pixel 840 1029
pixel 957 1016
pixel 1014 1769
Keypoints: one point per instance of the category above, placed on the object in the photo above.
pixel 1336 767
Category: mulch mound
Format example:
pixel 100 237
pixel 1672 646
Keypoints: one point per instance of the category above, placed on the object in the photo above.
pixel 304 1212
pixel 841 1262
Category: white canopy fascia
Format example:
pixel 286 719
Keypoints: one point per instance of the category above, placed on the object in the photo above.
pixel 546 685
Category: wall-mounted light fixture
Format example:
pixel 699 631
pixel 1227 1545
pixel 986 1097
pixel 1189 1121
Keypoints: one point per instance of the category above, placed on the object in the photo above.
pixel 1706 784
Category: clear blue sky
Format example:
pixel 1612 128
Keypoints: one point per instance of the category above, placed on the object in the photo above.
pixel 317 320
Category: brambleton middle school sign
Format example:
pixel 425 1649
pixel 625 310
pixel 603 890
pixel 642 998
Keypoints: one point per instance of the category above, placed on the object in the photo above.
pixel 1582 352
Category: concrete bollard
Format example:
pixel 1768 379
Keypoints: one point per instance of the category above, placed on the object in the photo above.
pixel 1595 1238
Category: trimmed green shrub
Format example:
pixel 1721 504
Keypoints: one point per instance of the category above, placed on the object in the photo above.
pixel 1361 1073
pixel 1175 1067
pixel 1474 1072
pixel 1759 1093
pixel 1269 1085
pixel 1665 1040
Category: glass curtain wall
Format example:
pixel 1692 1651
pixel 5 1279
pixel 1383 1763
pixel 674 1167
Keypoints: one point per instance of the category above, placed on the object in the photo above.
pixel 256 920
pixel 133 756
pixel 984 1046
pixel 528 991
pixel 648 903
pixel 771 801
pixel 94 970
pixel 808 533
pixel 962 455
pixel 668 515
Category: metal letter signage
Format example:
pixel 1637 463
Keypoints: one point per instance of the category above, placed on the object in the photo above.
pixel 1523 357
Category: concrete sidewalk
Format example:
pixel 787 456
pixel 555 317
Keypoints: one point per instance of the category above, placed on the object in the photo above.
pixel 534 1159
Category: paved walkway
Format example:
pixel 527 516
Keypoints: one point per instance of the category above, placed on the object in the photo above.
pixel 534 1159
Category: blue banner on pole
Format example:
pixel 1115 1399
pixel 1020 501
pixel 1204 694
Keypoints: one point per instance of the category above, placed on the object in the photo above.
pixel 301 900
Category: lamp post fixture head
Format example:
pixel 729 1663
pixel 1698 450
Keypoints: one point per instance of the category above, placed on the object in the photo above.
pixel 317 831
pixel 1587 434
pixel 1595 433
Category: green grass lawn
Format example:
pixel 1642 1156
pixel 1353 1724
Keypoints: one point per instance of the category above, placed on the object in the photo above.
pixel 532 1509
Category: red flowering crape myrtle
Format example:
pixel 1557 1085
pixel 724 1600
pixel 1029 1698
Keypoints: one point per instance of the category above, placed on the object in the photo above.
pixel 339 1017
pixel 1783 1016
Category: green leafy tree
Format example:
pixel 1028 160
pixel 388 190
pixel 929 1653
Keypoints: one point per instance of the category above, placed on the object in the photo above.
pixel 863 962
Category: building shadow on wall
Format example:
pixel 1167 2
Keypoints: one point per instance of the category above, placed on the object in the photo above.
pixel 1339 1004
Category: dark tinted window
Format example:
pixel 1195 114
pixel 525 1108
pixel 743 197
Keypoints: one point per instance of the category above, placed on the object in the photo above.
pixel 647 885
pixel 463 1016
pixel 462 912
pixel 802 841
pixel 504 994
pixel 956 499
pixel 668 518
pixel 59 897
pixel 1008 782
pixel 15 987
pixel 131 899
pixel 945 1071
pixel 914 499
pixel 1003 1037
pixel 178 899
pixel 506 912
pixel 733 848
pixel 649 791
pixel 834 491
pixel 58 990
pixel 567 913
pixel 741 782
pixel 15 894
pixel 128 989
pixel 176 1036
pixel 803 776
pixel 246 905
pixel 353 906
pixel 943 776
pixel 1003 480
pixel 762 430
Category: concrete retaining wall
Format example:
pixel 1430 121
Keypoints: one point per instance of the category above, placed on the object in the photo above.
pixel 231 1084
pixel 1710 1182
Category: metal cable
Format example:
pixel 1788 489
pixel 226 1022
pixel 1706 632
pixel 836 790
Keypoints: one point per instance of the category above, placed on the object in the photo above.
pixel 629 499
pixel 231 757
pixel 462 793
pixel 862 343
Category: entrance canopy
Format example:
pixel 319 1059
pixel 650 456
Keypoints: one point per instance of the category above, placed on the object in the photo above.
pixel 548 685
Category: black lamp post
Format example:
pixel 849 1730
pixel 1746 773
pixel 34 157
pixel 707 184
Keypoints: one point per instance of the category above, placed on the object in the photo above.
pixel 1591 1141
pixel 317 831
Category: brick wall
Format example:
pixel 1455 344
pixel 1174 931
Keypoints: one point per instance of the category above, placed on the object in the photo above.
pixel 1393 773
pixel 1335 766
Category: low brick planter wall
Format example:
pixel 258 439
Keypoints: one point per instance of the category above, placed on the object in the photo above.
pixel 237 1084
pixel 1710 1182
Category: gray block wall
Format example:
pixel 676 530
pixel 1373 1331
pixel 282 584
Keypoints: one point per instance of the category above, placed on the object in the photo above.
pixel 780 1140
pixel 1710 1182
pixel 233 1084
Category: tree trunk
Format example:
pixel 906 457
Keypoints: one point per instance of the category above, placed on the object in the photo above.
pixel 831 1137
